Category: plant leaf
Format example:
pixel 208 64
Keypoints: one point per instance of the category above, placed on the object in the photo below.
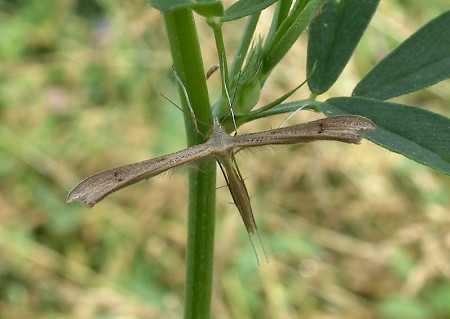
pixel 289 107
pixel 420 61
pixel 418 134
pixel 333 36
pixel 280 14
pixel 212 8
pixel 245 8
pixel 289 32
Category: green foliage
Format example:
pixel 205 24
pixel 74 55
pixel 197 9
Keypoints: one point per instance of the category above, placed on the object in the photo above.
pixel 333 37
pixel 397 128
pixel 335 31
pixel 289 31
pixel 420 61
pixel 243 8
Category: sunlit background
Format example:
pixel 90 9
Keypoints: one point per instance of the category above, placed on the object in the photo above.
pixel 350 231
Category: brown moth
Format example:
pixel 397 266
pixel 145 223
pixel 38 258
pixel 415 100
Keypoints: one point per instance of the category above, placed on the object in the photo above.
pixel 343 128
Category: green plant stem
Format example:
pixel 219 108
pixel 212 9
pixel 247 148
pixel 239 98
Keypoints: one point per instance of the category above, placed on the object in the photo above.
pixel 187 61
pixel 216 26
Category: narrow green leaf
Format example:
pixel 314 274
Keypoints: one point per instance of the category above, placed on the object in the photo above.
pixel 288 107
pixel 280 14
pixel 418 134
pixel 422 60
pixel 245 8
pixel 333 37
pixel 207 9
pixel 289 32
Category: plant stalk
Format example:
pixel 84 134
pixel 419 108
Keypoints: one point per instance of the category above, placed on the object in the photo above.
pixel 188 63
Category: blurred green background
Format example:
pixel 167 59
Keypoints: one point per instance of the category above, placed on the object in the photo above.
pixel 350 231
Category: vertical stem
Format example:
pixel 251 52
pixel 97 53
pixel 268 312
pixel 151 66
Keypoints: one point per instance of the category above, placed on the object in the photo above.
pixel 188 64
pixel 220 46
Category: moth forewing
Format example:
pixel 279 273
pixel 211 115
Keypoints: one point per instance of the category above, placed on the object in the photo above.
pixel 94 188
pixel 344 128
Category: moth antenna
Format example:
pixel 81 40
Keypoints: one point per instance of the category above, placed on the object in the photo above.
pixel 301 84
pixel 186 96
pixel 292 114
pixel 184 111
pixel 230 103
pixel 173 103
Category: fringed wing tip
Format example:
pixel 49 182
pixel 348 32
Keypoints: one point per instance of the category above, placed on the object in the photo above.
pixel 367 126
pixel 74 197
pixel 359 137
